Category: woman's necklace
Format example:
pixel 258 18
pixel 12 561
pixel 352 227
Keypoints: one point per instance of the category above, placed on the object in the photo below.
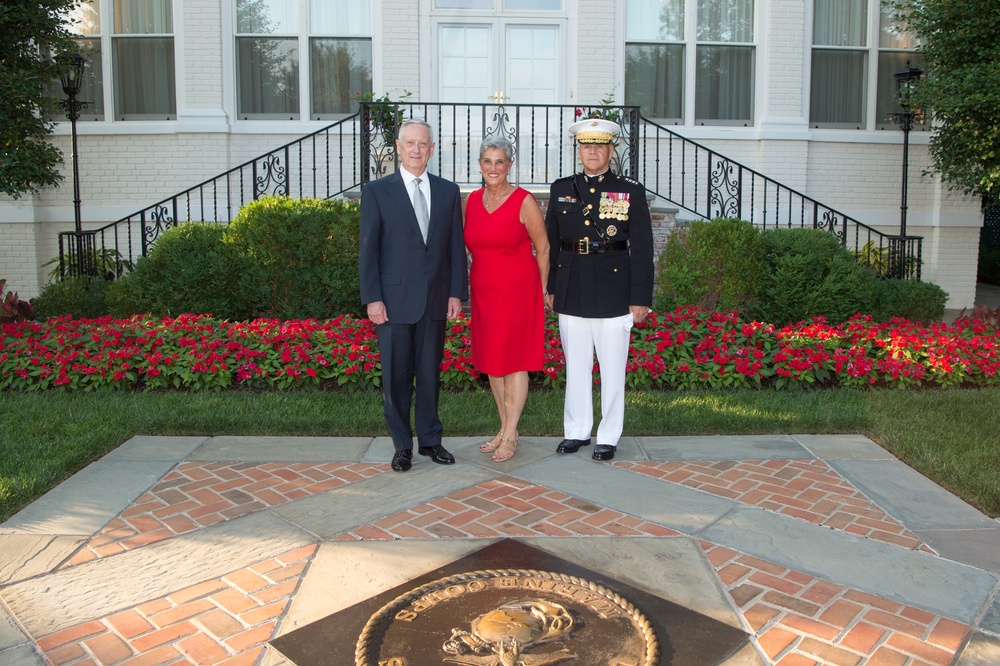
pixel 489 205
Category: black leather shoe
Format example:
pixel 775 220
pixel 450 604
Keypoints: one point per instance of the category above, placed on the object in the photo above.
pixel 571 445
pixel 401 460
pixel 603 452
pixel 438 454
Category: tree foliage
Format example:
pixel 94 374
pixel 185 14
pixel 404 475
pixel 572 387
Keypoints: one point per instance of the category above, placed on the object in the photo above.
pixel 33 41
pixel 962 57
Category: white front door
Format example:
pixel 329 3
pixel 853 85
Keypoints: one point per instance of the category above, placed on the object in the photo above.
pixel 500 63
pixel 476 61
pixel 531 64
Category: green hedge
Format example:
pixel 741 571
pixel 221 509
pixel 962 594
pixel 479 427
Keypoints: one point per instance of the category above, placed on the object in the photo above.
pixel 280 257
pixel 782 276
pixel 712 265
pixel 80 297
pixel 808 273
pixel 302 256
pixel 189 269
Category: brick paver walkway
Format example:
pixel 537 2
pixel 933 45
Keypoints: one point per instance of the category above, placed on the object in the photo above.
pixel 800 619
pixel 197 495
pixel 793 617
pixel 796 618
pixel 809 490
pixel 225 621
pixel 506 507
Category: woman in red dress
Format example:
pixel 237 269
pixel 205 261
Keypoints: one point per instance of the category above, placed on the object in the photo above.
pixel 502 223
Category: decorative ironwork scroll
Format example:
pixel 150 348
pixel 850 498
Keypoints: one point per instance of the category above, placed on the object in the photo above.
pixel 724 190
pixel 274 179
pixel 159 221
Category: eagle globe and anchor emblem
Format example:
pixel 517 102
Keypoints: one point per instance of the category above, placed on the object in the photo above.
pixel 521 617
pixel 505 635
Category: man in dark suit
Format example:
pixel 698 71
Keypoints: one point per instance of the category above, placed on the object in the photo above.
pixel 413 275
pixel 600 282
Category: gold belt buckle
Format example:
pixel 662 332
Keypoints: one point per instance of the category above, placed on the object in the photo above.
pixel 585 246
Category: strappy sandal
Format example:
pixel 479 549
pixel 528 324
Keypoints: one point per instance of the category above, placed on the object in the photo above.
pixel 503 452
pixel 492 445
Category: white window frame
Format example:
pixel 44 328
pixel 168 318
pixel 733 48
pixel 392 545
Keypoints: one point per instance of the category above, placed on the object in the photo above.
pixel 106 37
pixel 304 37
pixel 691 43
pixel 873 50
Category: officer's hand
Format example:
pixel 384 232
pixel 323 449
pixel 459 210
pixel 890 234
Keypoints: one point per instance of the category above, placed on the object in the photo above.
pixel 639 312
pixel 454 307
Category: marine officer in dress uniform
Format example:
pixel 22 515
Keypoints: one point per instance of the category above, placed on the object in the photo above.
pixel 600 282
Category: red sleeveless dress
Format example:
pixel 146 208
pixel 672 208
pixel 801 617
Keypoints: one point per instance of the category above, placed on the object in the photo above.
pixel 508 316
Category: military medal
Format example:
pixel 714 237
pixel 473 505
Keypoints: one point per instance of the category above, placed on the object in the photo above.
pixel 611 230
pixel 607 207
pixel 614 205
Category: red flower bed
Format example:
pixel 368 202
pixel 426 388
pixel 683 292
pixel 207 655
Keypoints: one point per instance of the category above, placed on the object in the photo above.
pixel 687 348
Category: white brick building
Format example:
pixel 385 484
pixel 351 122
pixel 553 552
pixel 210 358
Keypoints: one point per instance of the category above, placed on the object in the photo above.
pixel 799 90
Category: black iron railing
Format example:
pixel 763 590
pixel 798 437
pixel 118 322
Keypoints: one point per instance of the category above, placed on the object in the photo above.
pixel 538 132
pixel 342 157
pixel 710 185
pixel 323 165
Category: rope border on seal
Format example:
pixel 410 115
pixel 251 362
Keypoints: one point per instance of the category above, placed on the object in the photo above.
pixel 364 643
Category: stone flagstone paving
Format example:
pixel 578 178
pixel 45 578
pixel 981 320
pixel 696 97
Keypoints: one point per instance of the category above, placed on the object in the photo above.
pixel 197 495
pixel 805 489
pixel 794 617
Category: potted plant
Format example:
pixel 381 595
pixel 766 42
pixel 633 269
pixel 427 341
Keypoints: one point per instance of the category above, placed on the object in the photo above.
pixel 383 114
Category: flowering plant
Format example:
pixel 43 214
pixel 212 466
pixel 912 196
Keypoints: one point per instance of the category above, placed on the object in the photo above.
pixel 607 110
pixel 684 349
pixel 12 308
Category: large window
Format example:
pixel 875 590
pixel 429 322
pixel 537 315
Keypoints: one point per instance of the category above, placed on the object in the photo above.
pixel 276 44
pixel 704 49
pixel 138 35
pixel 844 93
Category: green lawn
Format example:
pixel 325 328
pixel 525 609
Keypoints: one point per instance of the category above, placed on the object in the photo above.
pixel 948 435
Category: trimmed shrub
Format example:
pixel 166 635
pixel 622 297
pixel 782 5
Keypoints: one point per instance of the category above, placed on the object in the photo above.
pixel 916 301
pixel 189 269
pixel 301 257
pixel 808 273
pixel 80 297
pixel 712 265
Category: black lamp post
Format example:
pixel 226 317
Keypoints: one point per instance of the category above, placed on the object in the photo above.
pixel 906 79
pixel 72 81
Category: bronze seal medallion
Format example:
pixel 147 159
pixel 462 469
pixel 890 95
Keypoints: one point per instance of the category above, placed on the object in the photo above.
pixel 508 617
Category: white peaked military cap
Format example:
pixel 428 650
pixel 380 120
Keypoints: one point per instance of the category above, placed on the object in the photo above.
pixel 595 130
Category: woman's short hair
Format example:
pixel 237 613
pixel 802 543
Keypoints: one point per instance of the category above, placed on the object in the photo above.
pixel 497 143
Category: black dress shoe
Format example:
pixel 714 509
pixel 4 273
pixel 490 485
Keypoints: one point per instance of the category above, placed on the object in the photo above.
pixel 571 445
pixel 438 454
pixel 401 460
pixel 603 452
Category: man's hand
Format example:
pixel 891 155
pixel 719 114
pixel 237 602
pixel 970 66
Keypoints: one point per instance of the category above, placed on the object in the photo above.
pixel 639 312
pixel 454 307
pixel 376 312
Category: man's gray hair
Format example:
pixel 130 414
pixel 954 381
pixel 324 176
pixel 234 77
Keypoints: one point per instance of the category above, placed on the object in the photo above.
pixel 416 121
pixel 497 143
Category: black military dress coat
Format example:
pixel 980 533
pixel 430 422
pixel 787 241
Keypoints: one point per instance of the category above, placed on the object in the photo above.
pixel 601 245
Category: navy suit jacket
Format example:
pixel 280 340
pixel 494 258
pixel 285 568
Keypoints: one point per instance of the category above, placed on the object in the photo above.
pixel 396 266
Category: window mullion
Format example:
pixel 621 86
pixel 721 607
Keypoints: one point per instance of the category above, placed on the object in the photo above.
pixel 690 59
pixel 304 39
pixel 871 97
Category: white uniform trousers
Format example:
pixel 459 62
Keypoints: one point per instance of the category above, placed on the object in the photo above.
pixel 580 337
